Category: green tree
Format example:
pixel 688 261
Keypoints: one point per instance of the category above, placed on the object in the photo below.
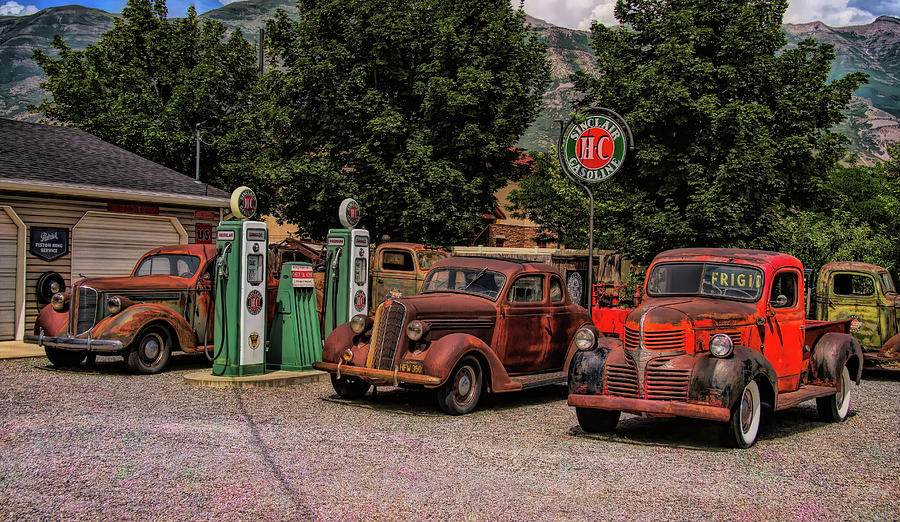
pixel 149 80
pixel 410 107
pixel 730 127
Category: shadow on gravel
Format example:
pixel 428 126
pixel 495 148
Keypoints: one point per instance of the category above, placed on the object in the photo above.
pixel 704 435
pixel 423 403
pixel 114 365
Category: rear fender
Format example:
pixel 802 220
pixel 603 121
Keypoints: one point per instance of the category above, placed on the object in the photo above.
pixel 830 354
pixel 126 325
pixel 443 355
pixel 585 368
pixel 721 382
pixel 52 322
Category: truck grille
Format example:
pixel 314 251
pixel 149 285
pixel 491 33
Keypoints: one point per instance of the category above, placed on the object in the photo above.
pixel 87 309
pixel 390 327
pixel 667 340
pixel 660 382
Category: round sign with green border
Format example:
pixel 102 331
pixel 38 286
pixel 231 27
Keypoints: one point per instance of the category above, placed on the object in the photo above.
pixel 593 148
pixel 243 203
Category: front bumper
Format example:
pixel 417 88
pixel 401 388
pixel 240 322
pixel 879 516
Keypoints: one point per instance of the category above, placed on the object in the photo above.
pixel 681 409
pixel 377 376
pixel 75 344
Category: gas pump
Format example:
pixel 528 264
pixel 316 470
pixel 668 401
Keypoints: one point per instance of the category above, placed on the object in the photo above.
pixel 240 303
pixel 346 291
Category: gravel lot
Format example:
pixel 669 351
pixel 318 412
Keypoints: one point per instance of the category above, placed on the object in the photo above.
pixel 100 443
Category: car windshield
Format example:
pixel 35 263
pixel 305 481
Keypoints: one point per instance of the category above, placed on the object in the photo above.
pixel 476 281
pixel 178 265
pixel 428 258
pixel 739 282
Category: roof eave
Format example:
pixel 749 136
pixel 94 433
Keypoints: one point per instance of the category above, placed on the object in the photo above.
pixel 93 191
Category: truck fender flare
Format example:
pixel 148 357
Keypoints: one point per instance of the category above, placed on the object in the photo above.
pixel 443 355
pixel 52 322
pixel 126 325
pixel 829 356
pixel 585 368
pixel 721 381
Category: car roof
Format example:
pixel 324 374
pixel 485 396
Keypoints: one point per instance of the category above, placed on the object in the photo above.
pixel 193 249
pixel 506 266
pixel 729 255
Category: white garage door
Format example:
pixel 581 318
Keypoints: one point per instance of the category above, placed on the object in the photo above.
pixel 8 258
pixel 108 245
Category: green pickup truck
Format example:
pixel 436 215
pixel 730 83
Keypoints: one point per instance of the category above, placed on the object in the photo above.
pixel 866 295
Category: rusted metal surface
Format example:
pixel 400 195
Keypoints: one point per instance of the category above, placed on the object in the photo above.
pixel 505 337
pixel 681 409
pixel 398 269
pixel 380 376
pixel 663 355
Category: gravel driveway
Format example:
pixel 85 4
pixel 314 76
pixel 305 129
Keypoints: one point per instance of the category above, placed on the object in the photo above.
pixel 103 444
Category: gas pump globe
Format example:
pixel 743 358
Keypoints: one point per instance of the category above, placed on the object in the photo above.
pixel 240 303
pixel 346 269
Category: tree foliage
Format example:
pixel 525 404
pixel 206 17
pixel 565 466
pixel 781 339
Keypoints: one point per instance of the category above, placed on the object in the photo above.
pixel 149 80
pixel 731 127
pixel 409 107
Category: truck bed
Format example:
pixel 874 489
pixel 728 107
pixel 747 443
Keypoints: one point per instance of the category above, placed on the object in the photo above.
pixel 815 329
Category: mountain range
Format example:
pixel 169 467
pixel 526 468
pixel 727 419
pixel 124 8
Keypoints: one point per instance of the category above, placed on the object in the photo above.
pixel 874 48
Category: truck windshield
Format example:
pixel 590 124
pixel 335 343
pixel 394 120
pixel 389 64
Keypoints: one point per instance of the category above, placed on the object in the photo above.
pixel 168 264
pixel 740 282
pixel 469 280
pixel 428 258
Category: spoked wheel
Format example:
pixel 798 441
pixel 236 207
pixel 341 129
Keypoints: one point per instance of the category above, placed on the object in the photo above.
pixel 742 429
pixel 836 407
pixel 64 358
pixel 150 353
pixel 461 392
pixel 349 387
pixel 597 421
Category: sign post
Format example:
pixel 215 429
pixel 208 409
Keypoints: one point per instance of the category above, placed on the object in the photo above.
pixel 592 148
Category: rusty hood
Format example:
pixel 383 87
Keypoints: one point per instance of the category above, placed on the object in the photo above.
pixel 146 283
pixel 698 312
pixel 447 305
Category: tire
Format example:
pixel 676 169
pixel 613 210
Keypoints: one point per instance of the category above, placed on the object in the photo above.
pixel 597 421
pixel 743 427
pixel 64 358
pixel 150 352
pixel 349 387
pixel 836 407
pixel 460 394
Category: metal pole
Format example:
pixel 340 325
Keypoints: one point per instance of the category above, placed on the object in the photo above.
pixel 262 39
pixel 590 273
pixel 197 156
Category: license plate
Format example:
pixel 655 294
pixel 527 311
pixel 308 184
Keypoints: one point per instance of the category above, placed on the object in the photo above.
pixel 410 366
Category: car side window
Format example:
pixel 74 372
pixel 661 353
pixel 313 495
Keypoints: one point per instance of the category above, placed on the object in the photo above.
pixel 527 289
pixel 784 284
pixel 852 284
pixel 556 290
pixel 397 260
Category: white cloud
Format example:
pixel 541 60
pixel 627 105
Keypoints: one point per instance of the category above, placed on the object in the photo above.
pixel 836 13
pixel 13 8
pixel 575 14
pixel 226 2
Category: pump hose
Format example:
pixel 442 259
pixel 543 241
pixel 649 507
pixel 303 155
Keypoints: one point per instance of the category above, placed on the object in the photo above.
pixel 221 279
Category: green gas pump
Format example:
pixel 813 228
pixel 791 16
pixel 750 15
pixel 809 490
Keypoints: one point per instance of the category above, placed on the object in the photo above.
pixel 346 290
pixel 240 303
pixel 295 341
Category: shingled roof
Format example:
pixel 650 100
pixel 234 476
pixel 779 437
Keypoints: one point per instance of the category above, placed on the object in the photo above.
pixel 64 158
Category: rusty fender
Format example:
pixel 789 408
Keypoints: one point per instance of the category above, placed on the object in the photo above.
pixel 342 338
pixel 721 382
pixel 125 325
pixel 443 354
pixel 830 354
pixel 52 322
pixel 586 367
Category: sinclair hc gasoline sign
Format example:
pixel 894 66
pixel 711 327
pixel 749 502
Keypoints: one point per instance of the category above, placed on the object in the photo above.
pixel 593 147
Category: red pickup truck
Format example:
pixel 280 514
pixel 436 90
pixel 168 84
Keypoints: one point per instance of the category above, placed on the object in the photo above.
pixel 719 333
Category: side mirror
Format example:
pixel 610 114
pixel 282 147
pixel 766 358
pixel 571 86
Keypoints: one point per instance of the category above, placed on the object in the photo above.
pixel 781 301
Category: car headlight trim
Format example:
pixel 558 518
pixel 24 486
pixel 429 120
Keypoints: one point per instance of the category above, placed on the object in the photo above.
pixel 58 301
pixel 585 339
pixel 721 345
pixel 416 330
pixel 114 304
pixel 358 323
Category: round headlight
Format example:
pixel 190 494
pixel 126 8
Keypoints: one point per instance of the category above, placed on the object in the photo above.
pixel 416 330
pixel 114 304
pixel 358 323
pixel 58 301
pixel 54 286
pixel 585 339
pixel 721 345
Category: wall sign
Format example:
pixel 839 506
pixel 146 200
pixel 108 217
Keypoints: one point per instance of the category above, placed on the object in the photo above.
pixel 203 233
pixel 133 208
pixel 49 243
pixel 302 277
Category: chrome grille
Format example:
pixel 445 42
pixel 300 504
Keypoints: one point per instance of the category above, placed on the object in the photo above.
pixel 666 340
pixel 660 382
pixel 390 328
pixel 87 309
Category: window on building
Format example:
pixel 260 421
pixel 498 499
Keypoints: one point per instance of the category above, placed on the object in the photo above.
pixel 499 241
pixel 541 243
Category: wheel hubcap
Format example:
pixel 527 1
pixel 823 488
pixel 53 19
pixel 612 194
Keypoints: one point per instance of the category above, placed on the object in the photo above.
pixel 464 385
pixel 746 411
pixel 151 348
pixel 464 391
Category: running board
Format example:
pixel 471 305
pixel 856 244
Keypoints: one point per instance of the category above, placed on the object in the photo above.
pixel 805 393
pixel 540 379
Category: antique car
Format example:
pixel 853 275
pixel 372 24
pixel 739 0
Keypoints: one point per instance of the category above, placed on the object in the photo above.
pixel 866 295
pixel 479 325
pixel 399 269
pixel 719 333
pixel 165 305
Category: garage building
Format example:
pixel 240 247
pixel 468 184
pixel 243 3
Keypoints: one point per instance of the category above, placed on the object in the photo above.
pixel 74 205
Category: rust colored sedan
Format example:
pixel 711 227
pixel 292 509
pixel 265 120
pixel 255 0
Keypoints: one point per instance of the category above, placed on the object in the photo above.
pixel 480 325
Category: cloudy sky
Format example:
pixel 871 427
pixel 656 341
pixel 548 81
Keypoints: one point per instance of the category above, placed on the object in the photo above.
pixel 576 14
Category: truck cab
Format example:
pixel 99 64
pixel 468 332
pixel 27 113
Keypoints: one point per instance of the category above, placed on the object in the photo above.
pixel 399 269
pixel 719 333
pixel 865 295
